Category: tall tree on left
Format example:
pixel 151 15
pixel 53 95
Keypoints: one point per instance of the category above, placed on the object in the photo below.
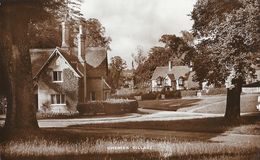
pixel 16 75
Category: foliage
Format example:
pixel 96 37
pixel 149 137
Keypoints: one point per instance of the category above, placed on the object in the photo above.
pixel 228 38
pixel 228 34
pixel 95 34
pixel 158 95
pixel 3 104
pixel 116 67
pixel 150 96
pixel 91 107
pixel 47 34
pixel 178 50
pixel 41 115
pixel 15 57
pixel 139 57
pixel 108 107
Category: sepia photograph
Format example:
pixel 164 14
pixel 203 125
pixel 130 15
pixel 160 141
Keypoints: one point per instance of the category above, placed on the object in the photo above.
pixel 129 79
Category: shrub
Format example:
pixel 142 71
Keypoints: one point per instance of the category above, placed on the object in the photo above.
pixel 42 115
pixel 215 91
pixel 112 106
pixel 172 94
pixel 120 106
pixel 91 107
pixel 150 96
pixel 188 93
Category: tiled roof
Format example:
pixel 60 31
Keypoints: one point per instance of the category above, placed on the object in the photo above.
pixel 71 59
pixel 95 56
pixel 38 58
pixel 171 76
pixel 106 85
pixel 177 71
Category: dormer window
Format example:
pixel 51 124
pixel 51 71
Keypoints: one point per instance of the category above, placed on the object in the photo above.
pixel 57 76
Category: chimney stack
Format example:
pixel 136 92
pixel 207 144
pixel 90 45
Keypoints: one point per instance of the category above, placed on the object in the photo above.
pixel 191 66
pixel 65 35
pixel 81 44
pixel 170 66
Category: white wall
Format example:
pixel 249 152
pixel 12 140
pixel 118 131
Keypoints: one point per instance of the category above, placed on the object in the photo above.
pixel 44 91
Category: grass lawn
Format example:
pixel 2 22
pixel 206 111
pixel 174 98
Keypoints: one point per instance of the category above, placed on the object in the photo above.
pixel 187 139
pixel 207 104
pixel 167 105
pixel 248 104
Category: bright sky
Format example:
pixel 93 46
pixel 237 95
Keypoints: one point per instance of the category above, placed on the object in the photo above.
pixel 133 23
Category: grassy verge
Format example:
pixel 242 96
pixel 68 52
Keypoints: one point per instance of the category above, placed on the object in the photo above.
pixel 168 105
pixel 248 104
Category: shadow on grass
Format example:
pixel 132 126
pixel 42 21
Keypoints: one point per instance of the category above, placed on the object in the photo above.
pixel 210 126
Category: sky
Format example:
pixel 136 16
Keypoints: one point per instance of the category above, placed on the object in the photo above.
pixel 139 23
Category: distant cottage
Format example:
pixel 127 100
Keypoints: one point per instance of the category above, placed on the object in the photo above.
pixel 65 76
pixel 173 78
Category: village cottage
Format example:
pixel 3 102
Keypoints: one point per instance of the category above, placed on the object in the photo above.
pixel 66 76
pixel 173 78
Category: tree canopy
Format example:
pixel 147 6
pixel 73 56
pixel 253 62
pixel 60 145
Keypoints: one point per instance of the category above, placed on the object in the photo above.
pixel 227 32
pixel 116 67
pixel 176 49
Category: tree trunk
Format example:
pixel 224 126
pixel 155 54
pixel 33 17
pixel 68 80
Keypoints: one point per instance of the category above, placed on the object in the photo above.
pixel 17 71
pixel 232 113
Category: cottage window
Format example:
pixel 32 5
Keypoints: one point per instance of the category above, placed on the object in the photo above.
pixel 57 76
pixel 58 99
pixel 181 83
pixel 159 81
pixel 93 96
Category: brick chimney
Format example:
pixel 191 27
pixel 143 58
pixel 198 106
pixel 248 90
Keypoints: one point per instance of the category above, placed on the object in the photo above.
pixel 65 35
pixel 81 44
pixel 170 66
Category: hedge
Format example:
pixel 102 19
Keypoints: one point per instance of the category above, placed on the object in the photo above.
pixel 108 107
pixel 91 107
pixel 215 91
pixel 188 93
pixel 41 115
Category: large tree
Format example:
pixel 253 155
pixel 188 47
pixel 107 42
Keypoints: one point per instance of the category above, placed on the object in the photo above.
pixel 115 76
pixel 15 63
pixel 228 39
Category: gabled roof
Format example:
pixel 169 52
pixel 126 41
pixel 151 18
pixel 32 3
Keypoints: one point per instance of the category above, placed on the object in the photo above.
pixel 176 71
pixel 106 85
pixel 70 59
pixel 38 58
pixel 95 56
pixel 171 76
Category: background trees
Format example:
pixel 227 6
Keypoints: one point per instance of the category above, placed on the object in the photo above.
pixel 116 67
pixel 178 50
pixel 228 38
